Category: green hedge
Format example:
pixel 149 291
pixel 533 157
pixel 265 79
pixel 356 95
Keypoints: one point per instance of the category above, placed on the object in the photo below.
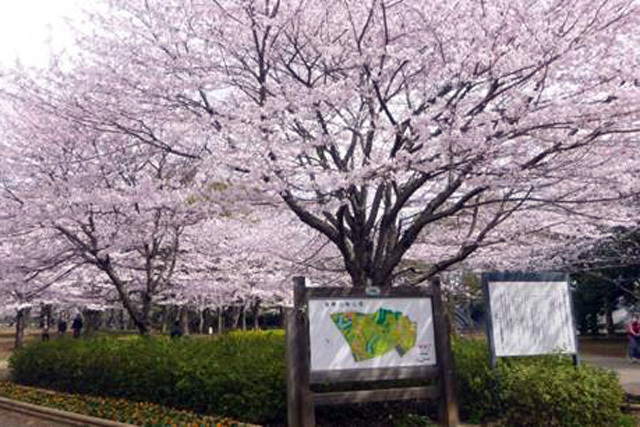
pixel 479 393
pixel 226 375
pixel 241 375
pixel 534 391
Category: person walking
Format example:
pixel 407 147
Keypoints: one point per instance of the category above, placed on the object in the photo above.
pixel 176 331
pixel 45 329
pixel 633 332
pixel 62 326
pixel 77 326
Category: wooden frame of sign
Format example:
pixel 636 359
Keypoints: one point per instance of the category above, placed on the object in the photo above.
pixel 301 400
pixel 522 277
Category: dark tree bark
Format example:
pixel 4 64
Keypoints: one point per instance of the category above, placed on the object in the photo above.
pixel 22 317
pixel 92 321
pixel 608 318
pixel 220 321
pixel 184 320
pixel 255 309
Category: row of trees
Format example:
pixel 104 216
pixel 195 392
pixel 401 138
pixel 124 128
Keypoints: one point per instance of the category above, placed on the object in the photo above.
pixel 608 279
pixel 198 152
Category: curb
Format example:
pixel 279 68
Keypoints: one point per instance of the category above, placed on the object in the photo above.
pixel 631 408
pixel 70 418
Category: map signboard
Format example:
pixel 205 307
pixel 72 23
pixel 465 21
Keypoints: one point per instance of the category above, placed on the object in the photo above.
pixel 530 315
pixel 361 333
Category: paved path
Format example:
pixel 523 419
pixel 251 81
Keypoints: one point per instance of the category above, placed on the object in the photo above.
pixel 17 419
pixel 629 372
pixel 4 370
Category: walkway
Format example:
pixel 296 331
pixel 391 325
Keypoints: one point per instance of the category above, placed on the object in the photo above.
pixel 17 419
pixel 629 372
pixel 4 370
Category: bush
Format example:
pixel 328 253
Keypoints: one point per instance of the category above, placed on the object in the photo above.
pixel 534 391
pixel 541 394
pixel 226 375
pixel 241 375
pixel 478 386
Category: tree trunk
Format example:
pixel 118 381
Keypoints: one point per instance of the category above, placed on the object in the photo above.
pixel 232 317
pixel 281 316
pixel 163 320
pixel 21 322
pixel 243 316
pixel 122 321
pixel 235 312
pixel 203 318
pixel 45 320
pixel 220 320
pixel 608 318
pixel 184 320
pixel 92 321
pixel 256 315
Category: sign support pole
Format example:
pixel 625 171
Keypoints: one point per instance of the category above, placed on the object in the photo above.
pixel 448 400
pixel 300 408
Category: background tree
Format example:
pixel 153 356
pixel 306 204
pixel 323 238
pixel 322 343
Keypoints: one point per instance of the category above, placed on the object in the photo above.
pixel 607 279
pixel 118 209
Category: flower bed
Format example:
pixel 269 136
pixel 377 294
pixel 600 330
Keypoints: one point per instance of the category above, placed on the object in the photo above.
pixel 138 413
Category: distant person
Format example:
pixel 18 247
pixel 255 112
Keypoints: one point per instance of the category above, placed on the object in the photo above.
pixel 77 326
pixel 62 327
pixel 633 332
pixel 45 330
pixel 176 331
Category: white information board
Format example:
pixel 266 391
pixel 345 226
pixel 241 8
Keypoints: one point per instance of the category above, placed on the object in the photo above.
pixel 531 318
pixel 363 333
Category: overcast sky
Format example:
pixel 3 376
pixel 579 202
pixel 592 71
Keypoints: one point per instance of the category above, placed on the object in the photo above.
pixel 28 27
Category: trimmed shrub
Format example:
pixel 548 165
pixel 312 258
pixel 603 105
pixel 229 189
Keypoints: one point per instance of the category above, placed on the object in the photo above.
pixel 542 394
pixel 225 375
pixel 534 391
pixel 242 376
pixel 478 386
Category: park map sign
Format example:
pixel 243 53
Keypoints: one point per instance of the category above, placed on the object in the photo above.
pixel 360 333
pixel 359 336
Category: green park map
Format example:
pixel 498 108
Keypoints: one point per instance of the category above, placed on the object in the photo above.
pixel 371 335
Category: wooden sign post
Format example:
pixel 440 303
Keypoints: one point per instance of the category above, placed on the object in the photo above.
pixel 423 353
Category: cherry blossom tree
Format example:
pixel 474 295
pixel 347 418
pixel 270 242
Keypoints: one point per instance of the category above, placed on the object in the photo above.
pixel 35 269
pixel 158 228
pixel 404 129
pixel 101 202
